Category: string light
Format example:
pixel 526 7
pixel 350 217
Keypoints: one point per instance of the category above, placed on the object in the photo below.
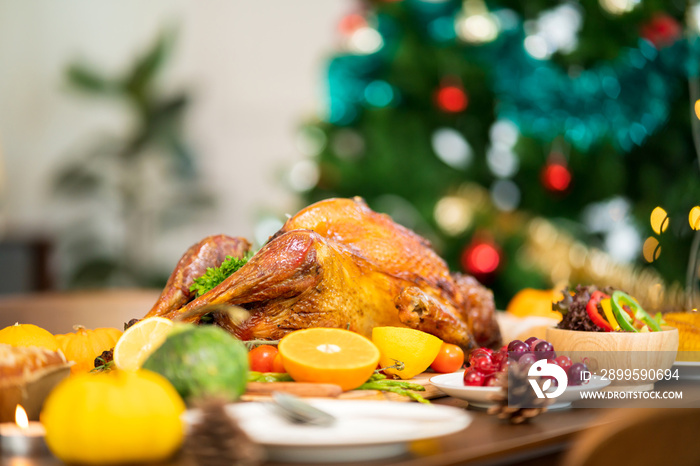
pixel 659 220
pixel 694 218
pixel 651 249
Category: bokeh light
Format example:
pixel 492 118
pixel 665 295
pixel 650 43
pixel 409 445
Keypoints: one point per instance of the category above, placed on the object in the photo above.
pixel 618 7
pixel 502 161
pixel 694 218
pixel 379 93
pixel 452 148
pixel 348 144
pixel 505 195
pixel 481 259
pixel 451 99
pixel 310 141
pixel 659 220
pixel 365 40
pixel 697 108
pixel 477 29
pixel 453 214
pixel 651 249
pixel 303 175
pixel 556 177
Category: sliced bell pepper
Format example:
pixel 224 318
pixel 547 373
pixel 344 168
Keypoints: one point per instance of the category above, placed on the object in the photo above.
pixel 607 310
pixel 594 314
pixel 626 321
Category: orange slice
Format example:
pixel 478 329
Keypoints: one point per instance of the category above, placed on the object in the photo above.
pixel 415 349
pixel 139 341
pixel 329 355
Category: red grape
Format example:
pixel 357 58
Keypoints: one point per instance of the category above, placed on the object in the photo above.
pixel 576 372
pixel 473 378
pixel 484 364
pixel 544 350
pixel 564 362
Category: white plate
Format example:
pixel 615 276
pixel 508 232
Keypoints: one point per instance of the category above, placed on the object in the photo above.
pixel 453 385
pixel 364 430
pixel 687 370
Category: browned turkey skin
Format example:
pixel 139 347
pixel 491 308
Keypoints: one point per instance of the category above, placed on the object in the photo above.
pixel 336 264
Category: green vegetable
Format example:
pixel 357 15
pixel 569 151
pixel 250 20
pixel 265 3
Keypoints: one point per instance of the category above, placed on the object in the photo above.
pixel 400 387
pixel 620 299
pixel 269 377
pixel 202 361
pixel 213 276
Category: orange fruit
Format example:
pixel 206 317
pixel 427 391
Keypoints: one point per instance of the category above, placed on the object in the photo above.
pixel 329 355
pixel 416 350
pixel 139 341
pixel 531 302
pixel 28 335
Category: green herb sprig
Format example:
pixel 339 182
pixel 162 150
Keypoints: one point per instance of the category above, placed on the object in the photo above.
pixel 215 275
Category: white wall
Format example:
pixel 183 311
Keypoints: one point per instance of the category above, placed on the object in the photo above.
pixel 256 69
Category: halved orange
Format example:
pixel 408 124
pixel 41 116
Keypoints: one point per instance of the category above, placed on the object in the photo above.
pixel 416 350
pixel 329 355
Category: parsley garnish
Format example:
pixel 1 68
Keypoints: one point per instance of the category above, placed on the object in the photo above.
pixel 214 276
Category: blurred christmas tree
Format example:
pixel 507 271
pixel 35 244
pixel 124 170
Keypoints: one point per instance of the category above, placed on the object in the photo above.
pixel 521 138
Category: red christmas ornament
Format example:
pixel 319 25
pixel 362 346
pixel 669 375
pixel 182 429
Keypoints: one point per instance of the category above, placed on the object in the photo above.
pixel 662 30
pixel 556 177
pixel 481 259
pixel 451 99
pixel 351 23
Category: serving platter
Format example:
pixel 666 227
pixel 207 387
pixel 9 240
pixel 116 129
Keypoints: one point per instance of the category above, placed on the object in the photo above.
pixel 481 397
pixel 687 370
pixel 364 430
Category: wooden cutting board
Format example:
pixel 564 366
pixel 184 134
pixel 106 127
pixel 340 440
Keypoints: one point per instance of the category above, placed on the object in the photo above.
pixel 422 379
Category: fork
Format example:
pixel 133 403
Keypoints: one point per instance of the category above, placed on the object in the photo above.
pixel 298 411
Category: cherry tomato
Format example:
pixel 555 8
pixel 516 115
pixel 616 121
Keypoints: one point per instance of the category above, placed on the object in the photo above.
pixel 262 358
pixel 278 364
pixel 449 359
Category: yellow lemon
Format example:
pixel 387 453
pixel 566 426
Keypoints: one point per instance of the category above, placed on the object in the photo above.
pixel 415 349
pixel 28 335
pixel 139 341
pixel 114 417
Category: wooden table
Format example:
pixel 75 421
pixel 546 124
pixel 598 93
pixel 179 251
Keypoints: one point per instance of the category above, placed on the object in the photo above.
pixel 486 441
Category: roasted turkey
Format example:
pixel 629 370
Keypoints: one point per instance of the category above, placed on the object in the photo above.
pixel 339 264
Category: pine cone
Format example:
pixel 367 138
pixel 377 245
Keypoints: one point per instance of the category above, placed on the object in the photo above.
pixel 524 404
pixel 217 440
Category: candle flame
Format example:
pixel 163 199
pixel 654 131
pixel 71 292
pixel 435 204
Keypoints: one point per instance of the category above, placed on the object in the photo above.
pixel 21 417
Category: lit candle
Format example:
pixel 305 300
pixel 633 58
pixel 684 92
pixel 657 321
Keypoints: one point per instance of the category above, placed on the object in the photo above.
pixel 23 437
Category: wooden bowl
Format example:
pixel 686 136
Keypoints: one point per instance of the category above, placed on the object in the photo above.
pixel 608 351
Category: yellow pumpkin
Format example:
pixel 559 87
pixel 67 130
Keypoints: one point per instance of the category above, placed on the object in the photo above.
pixel 84 345
pixel 114 417
pixel 28 335
pixel 531 302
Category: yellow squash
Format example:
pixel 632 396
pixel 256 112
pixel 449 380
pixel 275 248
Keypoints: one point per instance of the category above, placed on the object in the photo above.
pixel 115 417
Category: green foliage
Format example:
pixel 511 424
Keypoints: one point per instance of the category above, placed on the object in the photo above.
pixel 213 276
pixel 145 177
